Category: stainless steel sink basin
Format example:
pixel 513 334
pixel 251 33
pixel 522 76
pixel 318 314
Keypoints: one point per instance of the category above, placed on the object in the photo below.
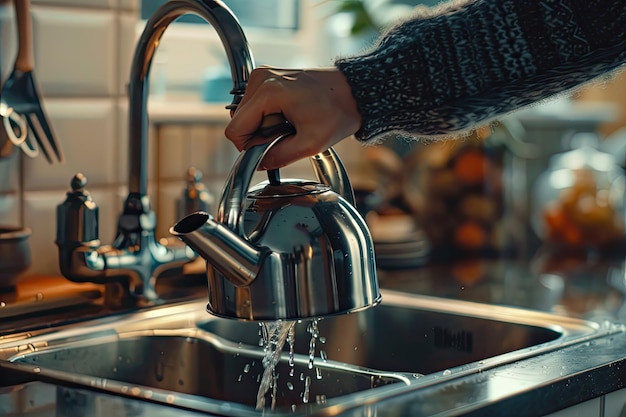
pixel 194 362
pixel 179 355
pixel 404 336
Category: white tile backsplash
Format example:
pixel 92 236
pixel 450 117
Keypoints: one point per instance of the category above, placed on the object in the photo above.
pixel 10 209
pixel 7 40
pixel 9 171
pixel 86 130
pixel 39 214
pixel 126 41
pixel 75 51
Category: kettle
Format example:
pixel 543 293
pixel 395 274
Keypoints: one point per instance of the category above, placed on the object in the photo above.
pixel 284 249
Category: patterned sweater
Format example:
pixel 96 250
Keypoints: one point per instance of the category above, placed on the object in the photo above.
pixel 460 64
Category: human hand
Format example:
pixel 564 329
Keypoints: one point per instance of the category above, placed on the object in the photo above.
pixel 318 103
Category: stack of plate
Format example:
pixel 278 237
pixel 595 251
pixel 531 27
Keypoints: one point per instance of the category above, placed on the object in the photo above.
pixel 398 242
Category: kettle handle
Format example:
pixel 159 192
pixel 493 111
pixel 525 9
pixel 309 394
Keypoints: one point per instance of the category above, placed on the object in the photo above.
pixel 328 168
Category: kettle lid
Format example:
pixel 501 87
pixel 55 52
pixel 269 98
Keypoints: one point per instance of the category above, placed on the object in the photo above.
pixel 288 188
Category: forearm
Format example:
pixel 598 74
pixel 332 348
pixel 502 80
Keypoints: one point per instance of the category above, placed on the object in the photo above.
pixel 442 74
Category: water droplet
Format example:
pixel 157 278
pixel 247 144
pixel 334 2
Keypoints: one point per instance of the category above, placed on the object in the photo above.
pixel 320 399
pixel 159 371
pixel 2 304
pixel 246 368
pixel 36 370
pixel 323 355
pixel 290 386
pixel 446 372
pixel 170 399
pixel 318 373
pixel 307 389
pixel 39 296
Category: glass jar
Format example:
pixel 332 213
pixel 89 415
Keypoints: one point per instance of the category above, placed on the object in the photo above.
pixel 579 199
pixel 455 192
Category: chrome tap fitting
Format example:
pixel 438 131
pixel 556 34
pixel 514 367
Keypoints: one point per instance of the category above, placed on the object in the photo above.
pixel 134 260
pixel 135 253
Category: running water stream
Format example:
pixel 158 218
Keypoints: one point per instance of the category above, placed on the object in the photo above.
pixel 275 334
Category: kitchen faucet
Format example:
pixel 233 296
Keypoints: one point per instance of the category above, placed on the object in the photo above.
pixel 136 258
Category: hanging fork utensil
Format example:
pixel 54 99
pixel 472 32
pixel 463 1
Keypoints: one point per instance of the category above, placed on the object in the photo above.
pixel 13 123
pixel 20 96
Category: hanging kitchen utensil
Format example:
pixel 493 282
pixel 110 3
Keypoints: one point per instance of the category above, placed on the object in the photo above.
pixel 15 134
pixel 20 98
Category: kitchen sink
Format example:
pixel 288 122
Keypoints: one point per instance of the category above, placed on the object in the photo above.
pixel 181 356
pixel 403 336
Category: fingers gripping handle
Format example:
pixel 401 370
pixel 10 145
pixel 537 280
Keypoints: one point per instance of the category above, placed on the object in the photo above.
pixel 275 126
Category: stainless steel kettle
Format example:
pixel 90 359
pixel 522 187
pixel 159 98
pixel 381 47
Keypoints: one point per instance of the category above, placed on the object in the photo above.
pixel 284 249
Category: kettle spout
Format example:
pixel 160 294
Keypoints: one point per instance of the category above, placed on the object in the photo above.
pixel 235 257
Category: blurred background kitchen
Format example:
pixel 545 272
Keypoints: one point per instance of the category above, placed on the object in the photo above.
pixel 547 177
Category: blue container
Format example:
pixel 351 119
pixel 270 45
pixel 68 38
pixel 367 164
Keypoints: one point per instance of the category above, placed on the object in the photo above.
pixel 217 85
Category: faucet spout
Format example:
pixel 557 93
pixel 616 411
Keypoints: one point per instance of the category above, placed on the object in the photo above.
pixel 136 254
pixel 237 51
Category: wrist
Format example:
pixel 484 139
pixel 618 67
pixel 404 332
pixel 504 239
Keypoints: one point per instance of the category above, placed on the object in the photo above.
pixel 346 99
pixel 340 97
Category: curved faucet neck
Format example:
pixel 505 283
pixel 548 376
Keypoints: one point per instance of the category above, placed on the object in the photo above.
pixel 237 51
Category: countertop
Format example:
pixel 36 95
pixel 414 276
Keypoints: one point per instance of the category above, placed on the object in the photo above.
pixel 586 288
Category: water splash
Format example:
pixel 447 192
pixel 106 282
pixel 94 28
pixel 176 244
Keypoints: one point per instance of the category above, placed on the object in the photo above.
pixel 275 335
pixel 313 330
pixel 307 389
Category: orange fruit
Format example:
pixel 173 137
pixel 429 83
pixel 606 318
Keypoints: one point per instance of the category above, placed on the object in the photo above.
pixel 470 167
pixel 470 235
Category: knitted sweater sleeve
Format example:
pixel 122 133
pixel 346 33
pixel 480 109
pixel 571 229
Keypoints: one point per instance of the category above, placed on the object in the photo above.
pixel 450 68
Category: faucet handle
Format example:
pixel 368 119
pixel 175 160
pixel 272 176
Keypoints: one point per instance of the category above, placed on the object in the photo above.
pixel 196 196
pixel 77 216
